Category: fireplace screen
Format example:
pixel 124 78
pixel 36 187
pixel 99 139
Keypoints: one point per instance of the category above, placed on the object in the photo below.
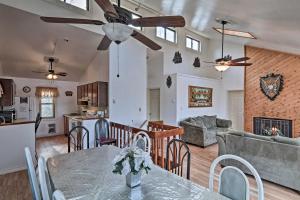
pixel 272 126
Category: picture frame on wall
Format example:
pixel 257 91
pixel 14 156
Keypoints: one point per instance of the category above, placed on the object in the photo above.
pixel 200 97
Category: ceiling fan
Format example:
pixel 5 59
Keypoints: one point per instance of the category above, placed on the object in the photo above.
pixel 51 74
pixel 117 28
pixel 223 63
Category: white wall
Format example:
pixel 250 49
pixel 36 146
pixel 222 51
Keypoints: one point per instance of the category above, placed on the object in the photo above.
pixel 64 104
pixel 14 138
pixel 168 101
pixel 128 93
pixel 183 82
pixel 98 69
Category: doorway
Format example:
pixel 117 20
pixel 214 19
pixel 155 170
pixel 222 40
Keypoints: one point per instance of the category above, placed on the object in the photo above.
pixel 236 109
pixel 154 105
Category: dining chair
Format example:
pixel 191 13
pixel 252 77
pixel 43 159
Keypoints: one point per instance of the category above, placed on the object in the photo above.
pixel 44 179
pixel 35 189
pixel 102 133
pixel 233 183
pixel 142 140
pixel 36 126
pixel 178 158
pixel 76 138
pixel 58 195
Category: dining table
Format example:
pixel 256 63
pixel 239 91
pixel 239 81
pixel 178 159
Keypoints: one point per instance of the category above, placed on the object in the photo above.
pixel 87 175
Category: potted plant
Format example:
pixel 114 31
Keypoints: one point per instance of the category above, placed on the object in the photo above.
pixel 131 162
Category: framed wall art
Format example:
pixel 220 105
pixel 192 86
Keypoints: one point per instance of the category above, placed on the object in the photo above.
pixel 200 97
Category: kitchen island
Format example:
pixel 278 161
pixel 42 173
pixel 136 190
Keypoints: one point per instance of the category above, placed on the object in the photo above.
pixel 14 137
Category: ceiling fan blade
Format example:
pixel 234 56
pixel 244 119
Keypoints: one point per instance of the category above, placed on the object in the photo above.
pixel 240 59
pixel 39 72
pixel 104 44
pixel 146 41
pixel 164 21
pixel 71 20
pixel 61 74
pixel 107 7
pixel 209 62
pixel 239 64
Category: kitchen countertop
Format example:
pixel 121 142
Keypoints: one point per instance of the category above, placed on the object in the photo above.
pixel 81 117
pixel 17 122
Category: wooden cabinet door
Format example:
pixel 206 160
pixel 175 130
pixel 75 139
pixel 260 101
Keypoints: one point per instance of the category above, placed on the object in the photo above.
pixel 9 92
pixel 90 91
pixel 103 94
pixel 95 94
pixel 78 94
pixel 85 91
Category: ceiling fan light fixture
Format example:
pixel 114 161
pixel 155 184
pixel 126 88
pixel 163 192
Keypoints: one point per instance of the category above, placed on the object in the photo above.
pixel 49 76
pixel 117 32
pixel 221 68
pixel 54 76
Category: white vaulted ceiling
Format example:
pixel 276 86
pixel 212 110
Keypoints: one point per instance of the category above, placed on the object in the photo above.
pixel 274 22
pixel 25 40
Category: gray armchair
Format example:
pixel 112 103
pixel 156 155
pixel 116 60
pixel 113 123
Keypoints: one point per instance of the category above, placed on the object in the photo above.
pixel 202 130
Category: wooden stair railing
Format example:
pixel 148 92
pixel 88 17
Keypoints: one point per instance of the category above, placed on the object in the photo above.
pixel 159 133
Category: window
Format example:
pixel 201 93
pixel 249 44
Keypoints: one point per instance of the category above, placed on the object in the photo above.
pixel 83 4
pixel 47 107
pixel 166 34
pixel 193 44
pixel 135 16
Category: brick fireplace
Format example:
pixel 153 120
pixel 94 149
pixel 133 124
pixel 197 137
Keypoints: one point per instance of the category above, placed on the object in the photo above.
pixel 267 126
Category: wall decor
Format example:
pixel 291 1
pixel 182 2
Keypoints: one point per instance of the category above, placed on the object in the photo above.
pixel 177 58
pixel 200 96
pixel 169 82
pixel 69 93
pixel 271 85
pixel 26 89
pixel 197 63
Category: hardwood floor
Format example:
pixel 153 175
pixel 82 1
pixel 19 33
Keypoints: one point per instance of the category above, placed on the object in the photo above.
pixel 15 186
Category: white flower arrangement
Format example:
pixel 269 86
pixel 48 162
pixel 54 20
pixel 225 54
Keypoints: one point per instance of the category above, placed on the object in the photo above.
pixel 132 160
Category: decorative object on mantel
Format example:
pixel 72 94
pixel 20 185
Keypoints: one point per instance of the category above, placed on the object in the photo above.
pixel 26 89
pixel 169 82
pixel 197 63
pixel 1 90
pixel 271 85
pixel 46 92
pixel 69 93
pixel 200 97
pixel 177 58
pixel 131 162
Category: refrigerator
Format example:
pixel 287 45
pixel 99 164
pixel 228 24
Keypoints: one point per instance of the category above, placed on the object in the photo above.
pixel 25 108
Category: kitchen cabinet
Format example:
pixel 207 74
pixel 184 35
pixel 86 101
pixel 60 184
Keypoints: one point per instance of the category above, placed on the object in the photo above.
pixel 9 91
pixel 96 93
pixel 79 94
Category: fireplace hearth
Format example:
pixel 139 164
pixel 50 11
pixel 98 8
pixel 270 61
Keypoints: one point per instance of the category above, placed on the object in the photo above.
pixel 272 126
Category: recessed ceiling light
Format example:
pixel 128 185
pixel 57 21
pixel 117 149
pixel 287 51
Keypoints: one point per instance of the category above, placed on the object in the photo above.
pixel 236 33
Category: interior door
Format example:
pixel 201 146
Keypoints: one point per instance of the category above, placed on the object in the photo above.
pixel 154 104
pixel 236 109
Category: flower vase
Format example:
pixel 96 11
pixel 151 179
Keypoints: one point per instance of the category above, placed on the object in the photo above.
pixel 133 180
